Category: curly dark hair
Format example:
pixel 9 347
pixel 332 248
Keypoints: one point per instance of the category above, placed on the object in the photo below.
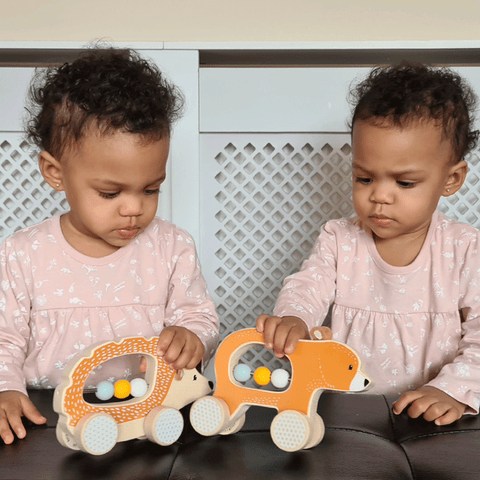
pixel 108 88
pixel 410 91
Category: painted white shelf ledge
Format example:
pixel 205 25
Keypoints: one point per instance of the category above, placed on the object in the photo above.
pixel 78 45
pixel 351 45
pixel 374 45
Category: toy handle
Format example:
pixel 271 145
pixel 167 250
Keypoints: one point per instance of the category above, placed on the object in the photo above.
pixel 321 333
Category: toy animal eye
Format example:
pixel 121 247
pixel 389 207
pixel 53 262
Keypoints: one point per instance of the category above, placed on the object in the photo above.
pixel 350 367
pixel 194 377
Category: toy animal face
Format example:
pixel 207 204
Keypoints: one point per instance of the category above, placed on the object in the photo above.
pixel 339 367
pixel 187 387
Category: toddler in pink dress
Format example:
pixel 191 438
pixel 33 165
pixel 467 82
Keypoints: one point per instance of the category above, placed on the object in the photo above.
pixel 404 280
pixel 109 267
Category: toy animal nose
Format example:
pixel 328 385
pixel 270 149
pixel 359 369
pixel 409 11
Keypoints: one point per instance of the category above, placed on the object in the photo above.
pixel 366 382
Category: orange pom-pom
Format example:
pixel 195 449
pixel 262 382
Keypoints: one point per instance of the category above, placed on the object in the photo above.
pixel 262 376
pixel 122 389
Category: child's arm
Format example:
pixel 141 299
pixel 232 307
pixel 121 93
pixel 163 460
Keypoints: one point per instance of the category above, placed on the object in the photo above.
pixel 13 406
pixel 281 334
pixel 15 322
pixel 435 405
pixel 455 390
pixel 191 325
pixel 307 293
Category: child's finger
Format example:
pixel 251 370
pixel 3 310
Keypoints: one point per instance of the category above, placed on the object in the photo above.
pixel 165 339
pixel 261 322
pixel 279 340
pixel 190 357
pixel 449 417
pixel 181 353
pixel 270 333
pixel 174 351
pixel 294 335
pixel 5 431
pixel 405 400
pixel 435 411
pixel 12 422
pixel 31 412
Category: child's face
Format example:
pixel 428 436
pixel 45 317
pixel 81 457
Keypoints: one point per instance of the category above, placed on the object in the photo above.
pixel 112 184
pixel 399 175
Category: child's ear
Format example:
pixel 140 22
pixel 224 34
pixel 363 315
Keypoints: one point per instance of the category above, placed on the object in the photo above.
pixel 456 178
pixel 51 170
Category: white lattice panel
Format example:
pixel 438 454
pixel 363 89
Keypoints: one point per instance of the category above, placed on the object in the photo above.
pixel 25 198
pixel 263 200
pixel 465 205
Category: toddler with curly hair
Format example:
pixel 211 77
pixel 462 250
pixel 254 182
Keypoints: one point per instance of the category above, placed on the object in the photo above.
pixel 108 267
pixel 402 277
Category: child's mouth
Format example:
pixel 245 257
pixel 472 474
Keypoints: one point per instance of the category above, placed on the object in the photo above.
pixel 382 221
pixel 127 233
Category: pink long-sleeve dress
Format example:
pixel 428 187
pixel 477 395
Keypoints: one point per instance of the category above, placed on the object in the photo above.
pixel 55 301
pixel 412 325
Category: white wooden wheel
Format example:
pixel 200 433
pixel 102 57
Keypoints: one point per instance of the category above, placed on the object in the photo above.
pixel 234 427
pixel 164 425
pixel 317 431
pixel 209 415
pixel 96 433
pixel 290 430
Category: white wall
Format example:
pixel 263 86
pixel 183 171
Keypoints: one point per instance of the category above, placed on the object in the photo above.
pixel 238 21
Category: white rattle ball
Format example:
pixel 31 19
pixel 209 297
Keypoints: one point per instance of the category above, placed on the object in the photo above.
pixel 280 378
pixel 139 387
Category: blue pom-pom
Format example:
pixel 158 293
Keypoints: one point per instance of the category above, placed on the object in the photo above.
pixel 242 372
pixel 105 390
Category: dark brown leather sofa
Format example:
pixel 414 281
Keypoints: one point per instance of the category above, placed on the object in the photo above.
pixel 363 440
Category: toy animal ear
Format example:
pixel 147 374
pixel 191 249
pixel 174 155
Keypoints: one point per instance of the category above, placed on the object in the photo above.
pixel 321 333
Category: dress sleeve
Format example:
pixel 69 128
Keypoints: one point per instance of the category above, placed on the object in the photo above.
pixel 308 293
pixel 189 304
pixel 14 319
pixel 461 378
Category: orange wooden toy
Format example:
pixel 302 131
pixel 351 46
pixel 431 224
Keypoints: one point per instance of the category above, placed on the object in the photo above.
pixel 317 365
pixel 96 428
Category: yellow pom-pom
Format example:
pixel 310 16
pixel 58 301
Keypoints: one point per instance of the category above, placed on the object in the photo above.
pixel 262 376
pixel 122 389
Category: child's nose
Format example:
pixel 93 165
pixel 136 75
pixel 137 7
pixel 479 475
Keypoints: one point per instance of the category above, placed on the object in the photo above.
pixel 131 207
pixel 381 194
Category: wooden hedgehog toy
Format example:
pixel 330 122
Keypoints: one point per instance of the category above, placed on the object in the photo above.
pixel 317 365
pixel 96 428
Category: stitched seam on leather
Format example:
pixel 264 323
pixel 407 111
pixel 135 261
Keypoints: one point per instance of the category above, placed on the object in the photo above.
pixel 341 429
pixel 436 434
pixel 392 423
pixel 173 463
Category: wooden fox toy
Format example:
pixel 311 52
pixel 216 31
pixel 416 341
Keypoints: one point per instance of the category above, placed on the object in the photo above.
pixel 317 365
pixel 96 427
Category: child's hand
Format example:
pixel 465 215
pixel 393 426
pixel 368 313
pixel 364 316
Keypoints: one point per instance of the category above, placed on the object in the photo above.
pixel 13 406
pixel 282 333
pixel 435 405
pixel 180 348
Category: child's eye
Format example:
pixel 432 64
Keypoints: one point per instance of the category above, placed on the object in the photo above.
pixel 406 184
pixel 108 196
pixel 154 191
pixel 363 180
